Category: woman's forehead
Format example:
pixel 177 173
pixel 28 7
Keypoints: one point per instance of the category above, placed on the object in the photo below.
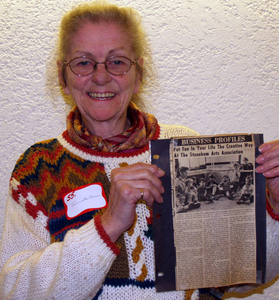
pixel 98 38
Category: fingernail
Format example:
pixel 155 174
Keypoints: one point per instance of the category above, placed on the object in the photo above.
pixel 259 169
pixel 162 170
pixel 262 148
pixel 260 159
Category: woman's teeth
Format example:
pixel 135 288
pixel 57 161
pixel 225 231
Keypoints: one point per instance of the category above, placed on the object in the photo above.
pixel 101 96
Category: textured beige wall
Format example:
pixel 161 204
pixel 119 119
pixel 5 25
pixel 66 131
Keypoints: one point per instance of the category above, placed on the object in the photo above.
pixel 217 64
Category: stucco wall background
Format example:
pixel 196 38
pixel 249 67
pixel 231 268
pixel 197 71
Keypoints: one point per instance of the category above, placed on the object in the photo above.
pixel 217 64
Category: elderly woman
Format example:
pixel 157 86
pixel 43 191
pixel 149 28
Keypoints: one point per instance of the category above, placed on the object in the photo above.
pixel 58 245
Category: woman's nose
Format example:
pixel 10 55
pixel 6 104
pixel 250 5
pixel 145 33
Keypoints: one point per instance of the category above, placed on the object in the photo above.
pixel 100 75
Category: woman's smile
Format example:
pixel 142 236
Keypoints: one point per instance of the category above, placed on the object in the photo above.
pixel 101 96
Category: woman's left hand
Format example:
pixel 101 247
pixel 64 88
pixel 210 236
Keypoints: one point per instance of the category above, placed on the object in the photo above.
pixel 269 167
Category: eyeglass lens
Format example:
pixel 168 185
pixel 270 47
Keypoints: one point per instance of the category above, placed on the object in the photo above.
pixel 85 66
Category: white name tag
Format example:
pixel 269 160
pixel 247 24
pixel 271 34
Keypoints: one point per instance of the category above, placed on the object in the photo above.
pixel 84 199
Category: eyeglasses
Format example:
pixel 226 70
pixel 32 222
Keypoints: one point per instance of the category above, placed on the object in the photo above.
pixel 115 65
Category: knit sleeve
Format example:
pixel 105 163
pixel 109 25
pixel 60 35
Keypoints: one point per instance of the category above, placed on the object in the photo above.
pixel 169 131
pixel 32 268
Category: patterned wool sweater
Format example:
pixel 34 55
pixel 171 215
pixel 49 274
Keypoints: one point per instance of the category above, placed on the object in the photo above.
pixel 49 256
pixel 59 258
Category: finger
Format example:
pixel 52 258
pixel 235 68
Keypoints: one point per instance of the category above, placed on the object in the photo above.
pixel 270 154
pixel 148 197
pixel 147 167
pixel 150 191
pixel 143 166
pixel 270 168
pixel 272 173
pixel 141 174
pixel 131 191
pixel 267 146
pixel 152 194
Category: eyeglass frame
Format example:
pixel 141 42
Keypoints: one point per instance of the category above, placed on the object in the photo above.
pixel 100 62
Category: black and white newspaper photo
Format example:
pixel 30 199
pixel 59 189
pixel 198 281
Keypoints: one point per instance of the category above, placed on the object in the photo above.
pixel 213 208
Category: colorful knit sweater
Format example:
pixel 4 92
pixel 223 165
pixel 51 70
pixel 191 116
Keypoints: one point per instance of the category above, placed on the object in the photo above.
pixel 53 257
pixel 59 258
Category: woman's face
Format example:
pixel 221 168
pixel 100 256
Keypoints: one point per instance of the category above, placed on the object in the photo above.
pixel 101 97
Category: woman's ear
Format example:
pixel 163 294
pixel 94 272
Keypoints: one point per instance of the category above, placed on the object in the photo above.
pixel 62 76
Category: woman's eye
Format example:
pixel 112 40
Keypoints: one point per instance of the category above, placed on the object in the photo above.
pixel 81 63
pixel 120 63
pixel 117 62
pixel 84 63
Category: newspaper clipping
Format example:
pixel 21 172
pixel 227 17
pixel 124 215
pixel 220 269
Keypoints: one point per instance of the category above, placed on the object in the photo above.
pixel 213 205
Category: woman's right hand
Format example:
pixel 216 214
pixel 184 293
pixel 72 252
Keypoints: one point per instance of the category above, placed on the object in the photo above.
pixel 127 185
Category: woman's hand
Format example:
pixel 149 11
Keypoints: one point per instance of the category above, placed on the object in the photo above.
pixel 269 167
pixel 127 185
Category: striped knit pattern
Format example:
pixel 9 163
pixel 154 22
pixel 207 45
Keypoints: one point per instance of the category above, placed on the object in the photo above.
pixel 50 169
pixel 46 172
